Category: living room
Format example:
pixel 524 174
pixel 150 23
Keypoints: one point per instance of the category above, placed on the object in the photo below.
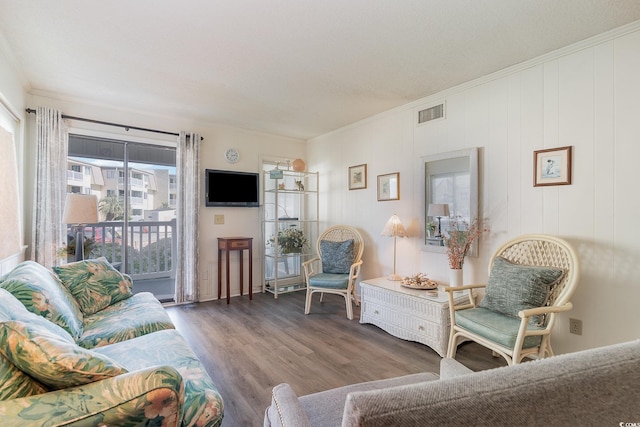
pixel 583 94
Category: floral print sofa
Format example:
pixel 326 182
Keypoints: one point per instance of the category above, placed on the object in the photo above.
pixel 78 348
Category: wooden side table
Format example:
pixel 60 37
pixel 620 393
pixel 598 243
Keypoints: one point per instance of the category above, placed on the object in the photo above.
pixel 407 313
pixel 228 244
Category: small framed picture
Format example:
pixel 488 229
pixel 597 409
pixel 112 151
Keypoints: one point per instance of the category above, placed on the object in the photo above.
pixel 358 177
pixel 389 187
pixel 552 166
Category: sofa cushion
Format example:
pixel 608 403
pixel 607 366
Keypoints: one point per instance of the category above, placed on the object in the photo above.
pixel 50 359
pixel 202 403
pixel 94 283
pixel 496 327
pixel 40 291
pixel 14 383
pixel 514 287
pixel 139 315
pixel 337 257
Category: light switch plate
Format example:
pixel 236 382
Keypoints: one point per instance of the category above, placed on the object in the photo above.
pixel 218 219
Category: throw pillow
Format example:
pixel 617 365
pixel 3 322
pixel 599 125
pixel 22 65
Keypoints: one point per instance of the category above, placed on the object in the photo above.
pixel 337 257
pixel 94 283
pixel 514 287
pixel 40 291
pixel 16 383
pixel 53 361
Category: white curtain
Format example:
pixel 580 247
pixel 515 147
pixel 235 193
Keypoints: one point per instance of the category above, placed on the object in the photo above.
pixel 50 187
pixel 188 172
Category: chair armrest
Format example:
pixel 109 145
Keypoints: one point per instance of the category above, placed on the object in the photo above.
pixel 450 368
pixel 545 310
pixel 285 409
pixel 462 288
pixel 135 398
pixel 354 272
pixel 469 288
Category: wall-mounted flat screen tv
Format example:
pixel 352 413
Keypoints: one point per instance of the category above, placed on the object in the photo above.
pixel 231 188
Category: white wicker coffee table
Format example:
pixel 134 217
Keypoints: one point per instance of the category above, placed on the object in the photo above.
pixel 407 313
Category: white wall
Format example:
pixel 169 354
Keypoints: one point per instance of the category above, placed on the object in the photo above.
pixel 251 145
pixel 585 96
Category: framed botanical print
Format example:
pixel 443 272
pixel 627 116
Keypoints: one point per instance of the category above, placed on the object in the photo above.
pixel 389 187
pixel 358 177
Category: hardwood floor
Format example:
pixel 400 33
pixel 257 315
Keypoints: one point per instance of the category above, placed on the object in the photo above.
pixel 248 347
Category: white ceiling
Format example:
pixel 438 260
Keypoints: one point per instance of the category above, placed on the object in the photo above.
pixel 297 68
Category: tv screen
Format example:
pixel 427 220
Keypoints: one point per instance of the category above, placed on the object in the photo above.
pixel 229 188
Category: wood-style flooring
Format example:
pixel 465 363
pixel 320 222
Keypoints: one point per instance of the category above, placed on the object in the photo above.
pixel 248 347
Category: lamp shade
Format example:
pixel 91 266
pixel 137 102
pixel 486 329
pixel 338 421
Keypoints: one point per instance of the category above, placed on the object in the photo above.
pixel 438 209
pixel 394 228
pixel 80 209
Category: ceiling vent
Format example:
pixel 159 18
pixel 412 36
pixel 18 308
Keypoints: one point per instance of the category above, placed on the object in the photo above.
pixel 432 113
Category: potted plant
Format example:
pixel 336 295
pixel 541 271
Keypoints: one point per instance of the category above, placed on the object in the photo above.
pixel 459 239
pixel 290 240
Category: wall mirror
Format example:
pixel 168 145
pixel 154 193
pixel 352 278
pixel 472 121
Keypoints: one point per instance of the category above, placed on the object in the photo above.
pixel 451 190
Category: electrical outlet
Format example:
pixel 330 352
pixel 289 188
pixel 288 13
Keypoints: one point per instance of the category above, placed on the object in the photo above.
pixel 218 219
pixel 575 326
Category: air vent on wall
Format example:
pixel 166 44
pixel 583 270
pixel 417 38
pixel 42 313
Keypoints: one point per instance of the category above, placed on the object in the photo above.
pixel 432 113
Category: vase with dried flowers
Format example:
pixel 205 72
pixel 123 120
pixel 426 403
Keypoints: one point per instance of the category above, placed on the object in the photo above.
pixel 458 241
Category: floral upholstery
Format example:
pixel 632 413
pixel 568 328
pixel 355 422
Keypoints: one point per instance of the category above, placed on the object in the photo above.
pixel 202 403
pixel 139 315
pixel 94 283
pixel 84 359
pixel 54 361
pixel 148 397
pixel 40 292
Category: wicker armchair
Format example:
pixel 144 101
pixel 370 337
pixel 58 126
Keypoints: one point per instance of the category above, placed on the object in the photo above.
pixel 511 337
pixel 342 282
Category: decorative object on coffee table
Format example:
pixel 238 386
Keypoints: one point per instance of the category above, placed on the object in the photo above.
pixel 419 281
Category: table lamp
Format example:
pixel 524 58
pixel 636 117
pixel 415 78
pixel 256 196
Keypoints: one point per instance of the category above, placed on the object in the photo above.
pixel 438 210
pixel 394 228
pixel 79 210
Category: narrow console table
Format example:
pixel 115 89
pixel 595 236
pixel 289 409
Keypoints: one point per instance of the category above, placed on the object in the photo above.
pixel 408 313
pixel 228 244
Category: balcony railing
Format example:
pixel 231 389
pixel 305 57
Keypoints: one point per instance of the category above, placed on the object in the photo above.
pixel 151 246
pixel 75 176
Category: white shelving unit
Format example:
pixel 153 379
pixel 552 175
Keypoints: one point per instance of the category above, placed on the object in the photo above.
pixel 290 201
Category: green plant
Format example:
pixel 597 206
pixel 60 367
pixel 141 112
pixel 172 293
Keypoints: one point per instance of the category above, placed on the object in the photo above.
pixel 290 240
pixel 431 228
pixel 70 248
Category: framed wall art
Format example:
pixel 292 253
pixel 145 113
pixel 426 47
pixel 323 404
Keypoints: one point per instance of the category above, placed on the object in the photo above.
pixel 358 177
pixel 389 187
pixel 552 166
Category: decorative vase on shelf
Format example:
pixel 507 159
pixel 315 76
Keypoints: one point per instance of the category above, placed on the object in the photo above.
pixel 455 277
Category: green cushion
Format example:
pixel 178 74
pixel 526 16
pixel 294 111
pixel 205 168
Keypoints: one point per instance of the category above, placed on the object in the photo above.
pixel 330 281
pixel 496 327
pixel 16 383
pixel 514 287
pixel 54 361
pixel 337 257
pixel 40 291
pixel 94 283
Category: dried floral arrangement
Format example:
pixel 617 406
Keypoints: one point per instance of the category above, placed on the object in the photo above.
pixel 459 239
pixel 290 240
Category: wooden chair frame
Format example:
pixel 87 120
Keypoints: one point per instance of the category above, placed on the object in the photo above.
pixel 536 250
pixel 336 233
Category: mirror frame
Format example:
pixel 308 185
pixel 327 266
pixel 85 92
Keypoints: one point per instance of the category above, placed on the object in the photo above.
pixel 472 154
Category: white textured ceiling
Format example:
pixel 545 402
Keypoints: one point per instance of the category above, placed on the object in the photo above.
pixel 298 68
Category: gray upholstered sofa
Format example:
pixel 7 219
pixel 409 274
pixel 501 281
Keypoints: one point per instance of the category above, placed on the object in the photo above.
pixel 593 387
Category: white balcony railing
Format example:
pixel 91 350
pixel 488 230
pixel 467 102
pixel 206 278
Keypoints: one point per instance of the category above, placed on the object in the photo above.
pixel 151 246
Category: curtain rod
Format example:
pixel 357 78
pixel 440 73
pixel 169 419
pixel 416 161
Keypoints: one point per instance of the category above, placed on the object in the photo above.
pixel 126 127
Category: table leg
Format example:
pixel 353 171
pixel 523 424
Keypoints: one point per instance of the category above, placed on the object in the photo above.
pixel 219 273
pixel 228 279
pixel 241 252
pixel 250 272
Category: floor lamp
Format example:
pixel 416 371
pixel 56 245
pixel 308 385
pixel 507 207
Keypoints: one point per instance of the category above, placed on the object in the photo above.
pixel 79 210
pixel 394 228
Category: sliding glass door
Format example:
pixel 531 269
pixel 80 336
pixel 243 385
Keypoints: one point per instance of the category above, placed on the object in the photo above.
pixel 136 188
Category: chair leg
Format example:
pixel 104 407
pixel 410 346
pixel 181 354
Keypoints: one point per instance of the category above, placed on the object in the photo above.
pixel 347 298
pixel 321 296
pixel 307 301
pixel 451 350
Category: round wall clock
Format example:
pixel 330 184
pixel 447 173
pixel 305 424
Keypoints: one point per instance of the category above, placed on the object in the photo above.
pixel 231 155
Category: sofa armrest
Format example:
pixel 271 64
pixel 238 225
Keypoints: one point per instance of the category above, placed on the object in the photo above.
pixel 285 409
pixel 143 397
pixel 450 368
